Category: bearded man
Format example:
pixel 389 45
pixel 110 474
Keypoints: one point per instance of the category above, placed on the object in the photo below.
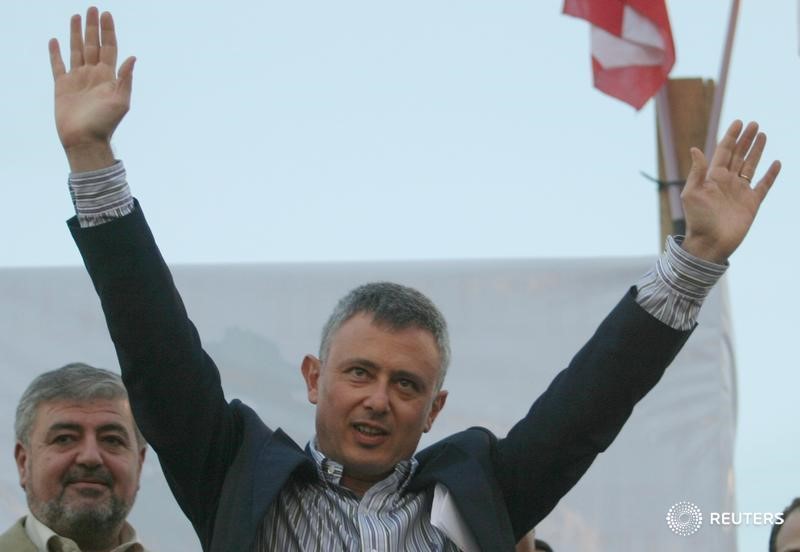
pixel 79 455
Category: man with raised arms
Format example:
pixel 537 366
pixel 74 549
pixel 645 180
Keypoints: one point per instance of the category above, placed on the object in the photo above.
pixel 377 380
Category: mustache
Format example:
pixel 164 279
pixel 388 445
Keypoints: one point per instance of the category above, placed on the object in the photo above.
pixel 80 474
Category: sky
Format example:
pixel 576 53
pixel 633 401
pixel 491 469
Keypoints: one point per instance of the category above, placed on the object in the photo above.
pixel 359 130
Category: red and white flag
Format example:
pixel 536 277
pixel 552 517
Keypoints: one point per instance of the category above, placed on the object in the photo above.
pixel 632 48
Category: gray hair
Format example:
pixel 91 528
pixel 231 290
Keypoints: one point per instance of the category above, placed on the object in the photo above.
pixel 74 382
pixel 396 306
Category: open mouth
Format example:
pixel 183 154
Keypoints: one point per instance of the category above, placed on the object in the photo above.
pixel 370 431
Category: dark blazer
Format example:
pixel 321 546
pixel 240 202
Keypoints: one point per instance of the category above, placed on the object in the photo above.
pixel 226 467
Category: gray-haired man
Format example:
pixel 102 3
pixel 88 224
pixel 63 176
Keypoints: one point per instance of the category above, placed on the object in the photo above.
pixel 79 455
pixel 360 485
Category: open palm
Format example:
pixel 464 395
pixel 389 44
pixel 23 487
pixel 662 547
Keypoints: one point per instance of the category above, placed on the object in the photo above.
pixel 719 201
pixel 91 98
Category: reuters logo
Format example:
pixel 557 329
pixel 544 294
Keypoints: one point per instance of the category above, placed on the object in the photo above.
pixel 684 518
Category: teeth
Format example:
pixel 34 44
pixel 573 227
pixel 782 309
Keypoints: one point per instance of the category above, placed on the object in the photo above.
pixel 369 430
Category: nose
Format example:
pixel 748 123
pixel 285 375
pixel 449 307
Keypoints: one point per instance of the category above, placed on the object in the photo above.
pixel 89 453
pixel 377 400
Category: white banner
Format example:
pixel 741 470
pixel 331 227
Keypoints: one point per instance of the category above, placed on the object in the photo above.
pixel 514 325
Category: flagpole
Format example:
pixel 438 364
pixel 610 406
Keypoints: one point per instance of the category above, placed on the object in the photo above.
pixel 719 93
pixel 682 108
pixel 670 160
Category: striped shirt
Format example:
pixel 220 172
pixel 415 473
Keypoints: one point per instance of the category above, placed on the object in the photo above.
pixel 674 289
pixel 323 515
pixel 100 196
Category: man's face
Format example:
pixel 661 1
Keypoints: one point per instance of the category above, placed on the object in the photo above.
pixel 375 395
pixel 788 539
pixel 81 468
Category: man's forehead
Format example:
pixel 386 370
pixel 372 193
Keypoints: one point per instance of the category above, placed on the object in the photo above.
pixel 362 340
pixel 363 327
pixel 89 414
pixel 367 321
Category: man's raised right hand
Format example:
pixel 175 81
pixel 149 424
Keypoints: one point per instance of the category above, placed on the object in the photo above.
pixel 92 97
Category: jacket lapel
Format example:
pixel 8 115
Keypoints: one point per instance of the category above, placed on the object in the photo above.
pixel 262 467
pixel 476 497
pixel 16 539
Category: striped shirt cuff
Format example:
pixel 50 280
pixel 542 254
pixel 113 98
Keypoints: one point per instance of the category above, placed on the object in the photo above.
pixel 673 291
pixel 100 196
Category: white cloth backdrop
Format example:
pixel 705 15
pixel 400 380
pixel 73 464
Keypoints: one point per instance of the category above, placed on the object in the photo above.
pixel 514 325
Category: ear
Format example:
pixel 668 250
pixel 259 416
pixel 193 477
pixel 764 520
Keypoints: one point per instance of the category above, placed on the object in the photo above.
pixel 436 407
pixel 311 368
pixel 142 453
pixel 21 458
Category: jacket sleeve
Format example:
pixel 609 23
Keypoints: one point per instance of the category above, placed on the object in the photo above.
pixel 582 411
pixel 174 386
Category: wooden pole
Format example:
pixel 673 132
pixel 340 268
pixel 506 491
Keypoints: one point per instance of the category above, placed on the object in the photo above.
pixel 689 106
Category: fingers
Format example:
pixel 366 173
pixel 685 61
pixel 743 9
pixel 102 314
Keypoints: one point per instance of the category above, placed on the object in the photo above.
pixel 125 76
pixel 75 42
pixel 750 163
pixel 742 147
pixel 87 49
pixel 740 154
pixel 697 172
pixel 766 182
pixel 91 46
pixel 56 63
pixel 724 152
pixel 108 51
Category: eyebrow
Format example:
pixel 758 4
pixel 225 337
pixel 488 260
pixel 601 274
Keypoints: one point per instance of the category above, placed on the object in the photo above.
pixel 105 428
pixel 361 362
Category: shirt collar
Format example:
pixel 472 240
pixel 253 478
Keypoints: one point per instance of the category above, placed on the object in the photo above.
pixel 331 471
pixel 40 534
